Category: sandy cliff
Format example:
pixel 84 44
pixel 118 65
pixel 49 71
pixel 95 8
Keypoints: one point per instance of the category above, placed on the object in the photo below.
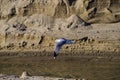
pixel 92 10
pixel 27 25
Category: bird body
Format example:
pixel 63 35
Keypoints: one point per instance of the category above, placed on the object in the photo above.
pixel 59 43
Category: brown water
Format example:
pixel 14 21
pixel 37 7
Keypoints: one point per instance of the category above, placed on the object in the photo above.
pixel 90 68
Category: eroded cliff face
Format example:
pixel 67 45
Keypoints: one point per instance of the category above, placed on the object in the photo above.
pixel 33 25
pixel 93 39
pixel 92 10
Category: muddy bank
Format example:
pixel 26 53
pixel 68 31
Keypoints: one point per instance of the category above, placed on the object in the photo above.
pixel 67 54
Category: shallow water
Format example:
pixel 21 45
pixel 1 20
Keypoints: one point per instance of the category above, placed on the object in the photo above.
pixel 91 68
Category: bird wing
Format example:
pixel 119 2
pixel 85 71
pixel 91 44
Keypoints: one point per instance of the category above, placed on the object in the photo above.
pixel 70 42
pixel 59 45
pixel 57 49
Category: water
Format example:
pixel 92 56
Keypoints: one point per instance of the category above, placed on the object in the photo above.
pixel 90 68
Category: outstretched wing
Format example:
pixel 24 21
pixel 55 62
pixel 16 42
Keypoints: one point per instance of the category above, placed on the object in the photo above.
pixel 57 49
pixel 70 42
pixel 59 45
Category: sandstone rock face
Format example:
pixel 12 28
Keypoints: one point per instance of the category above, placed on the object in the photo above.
pixel 87 9
pixel 35 24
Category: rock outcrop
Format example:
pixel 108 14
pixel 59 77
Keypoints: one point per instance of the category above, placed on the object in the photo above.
pixel 93 10
pixel 24 75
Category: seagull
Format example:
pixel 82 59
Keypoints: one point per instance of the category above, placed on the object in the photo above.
pixel 59 43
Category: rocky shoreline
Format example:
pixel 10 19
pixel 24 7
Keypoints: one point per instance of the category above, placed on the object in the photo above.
pixel 26 76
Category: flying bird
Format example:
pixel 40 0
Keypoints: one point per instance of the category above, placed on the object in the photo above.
pixel 59 43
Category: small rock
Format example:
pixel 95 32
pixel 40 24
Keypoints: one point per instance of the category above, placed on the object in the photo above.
pixel 1 75
pixel 24 75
